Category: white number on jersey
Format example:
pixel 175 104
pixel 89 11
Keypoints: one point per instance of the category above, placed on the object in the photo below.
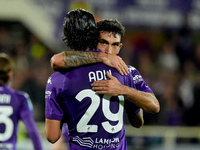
pixel 83 125
pixel 5 112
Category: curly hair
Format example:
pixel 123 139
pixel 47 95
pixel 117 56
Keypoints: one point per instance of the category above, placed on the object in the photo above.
pixel 111 25
pixel 80 30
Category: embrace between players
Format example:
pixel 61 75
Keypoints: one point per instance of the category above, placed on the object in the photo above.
pixel 94 109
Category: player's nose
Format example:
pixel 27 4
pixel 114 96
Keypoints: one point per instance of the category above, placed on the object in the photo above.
pixel 109 49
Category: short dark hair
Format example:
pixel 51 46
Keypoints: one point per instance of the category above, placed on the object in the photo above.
pixel 6 65
pixel 111 25
pixel 80 30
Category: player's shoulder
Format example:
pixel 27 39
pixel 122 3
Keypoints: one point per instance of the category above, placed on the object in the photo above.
pixel 132 70
pixel 55 80
pixel 57 74
pixel 20 94
pixel 56 77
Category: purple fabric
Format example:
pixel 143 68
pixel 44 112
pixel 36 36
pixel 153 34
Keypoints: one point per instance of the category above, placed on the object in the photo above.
pixel 94 121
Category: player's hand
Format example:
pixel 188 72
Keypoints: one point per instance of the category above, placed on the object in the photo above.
pixel 116 62
pixel 112 86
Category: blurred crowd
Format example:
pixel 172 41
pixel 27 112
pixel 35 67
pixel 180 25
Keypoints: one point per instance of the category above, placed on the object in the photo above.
pixel 168 60
pixel 32 60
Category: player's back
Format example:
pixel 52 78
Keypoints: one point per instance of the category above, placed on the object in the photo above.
pixel 13 107
pixel 94 121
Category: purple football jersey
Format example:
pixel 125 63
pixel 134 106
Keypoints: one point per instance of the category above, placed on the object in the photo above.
pixel 139 82
pixel 65 133
pixel 94 121
pixel 14 106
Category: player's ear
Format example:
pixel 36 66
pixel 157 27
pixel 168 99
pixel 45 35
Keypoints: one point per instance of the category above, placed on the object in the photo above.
pixel 120 46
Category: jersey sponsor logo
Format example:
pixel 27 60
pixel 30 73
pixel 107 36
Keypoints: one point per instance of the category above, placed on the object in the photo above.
pixel 86 141
pixel 137 78
pixel 98 143
pixel 98 75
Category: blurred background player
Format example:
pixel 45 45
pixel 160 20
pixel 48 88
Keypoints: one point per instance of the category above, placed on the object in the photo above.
pixel 14 106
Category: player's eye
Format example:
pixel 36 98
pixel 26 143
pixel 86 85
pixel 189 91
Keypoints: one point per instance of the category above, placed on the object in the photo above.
pixel 116 44
pixel 103 42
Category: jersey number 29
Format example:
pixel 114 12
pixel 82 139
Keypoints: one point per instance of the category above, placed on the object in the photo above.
pixel 83 125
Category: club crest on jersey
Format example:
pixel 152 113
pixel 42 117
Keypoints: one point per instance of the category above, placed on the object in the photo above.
pixel 98 75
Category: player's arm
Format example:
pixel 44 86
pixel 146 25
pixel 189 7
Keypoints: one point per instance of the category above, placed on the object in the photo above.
pixel 70 59
pixel 147 101
pixel 60 144
pixel 33 132
pixel 52 130
pixel 136 120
